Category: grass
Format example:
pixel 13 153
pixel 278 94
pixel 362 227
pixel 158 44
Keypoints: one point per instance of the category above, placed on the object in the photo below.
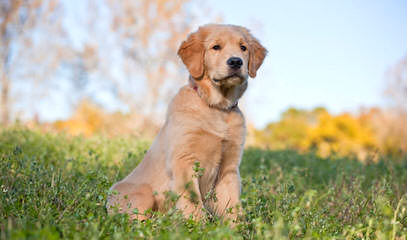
pixel 55 187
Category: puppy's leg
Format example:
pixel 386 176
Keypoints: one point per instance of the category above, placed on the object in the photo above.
pixel 186 185
pixel 227 186
pixel 131 196
pixel 227 191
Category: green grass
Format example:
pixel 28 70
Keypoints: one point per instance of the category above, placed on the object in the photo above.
pixel 55 186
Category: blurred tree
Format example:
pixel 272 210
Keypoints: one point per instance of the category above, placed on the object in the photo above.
pixel 122 50
pixel 389 127
pixel 397 84
pixel 25 58
pixel 320 131
pixel 134 50
pixel 391 123
pixel 87 120
pixel 343 134
pixel 16 17
pixel 291 131
pixel 90 118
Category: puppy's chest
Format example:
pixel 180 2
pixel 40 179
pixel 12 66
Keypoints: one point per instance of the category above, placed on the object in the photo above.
pixel 228 127
pixel 229 132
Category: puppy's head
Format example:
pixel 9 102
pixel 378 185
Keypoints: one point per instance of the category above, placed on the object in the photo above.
pixel 225 54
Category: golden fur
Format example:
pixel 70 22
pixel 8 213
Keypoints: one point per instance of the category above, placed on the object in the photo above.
pixel 203 124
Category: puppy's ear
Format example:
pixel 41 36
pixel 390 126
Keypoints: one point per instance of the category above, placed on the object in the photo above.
pixel 192 53
pixel 257 53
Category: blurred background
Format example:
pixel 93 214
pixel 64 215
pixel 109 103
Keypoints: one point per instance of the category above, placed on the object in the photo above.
pixel 334 82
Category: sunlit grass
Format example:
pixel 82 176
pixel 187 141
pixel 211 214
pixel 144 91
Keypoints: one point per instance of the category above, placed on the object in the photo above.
pixel 55 186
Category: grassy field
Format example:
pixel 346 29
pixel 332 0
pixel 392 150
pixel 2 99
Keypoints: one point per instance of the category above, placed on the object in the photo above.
pixel 55 187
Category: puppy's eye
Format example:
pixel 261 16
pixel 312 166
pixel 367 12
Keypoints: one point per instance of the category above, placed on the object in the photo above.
pixel 243 48
pixel 216 47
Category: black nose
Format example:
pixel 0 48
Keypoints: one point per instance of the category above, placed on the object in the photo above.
pixel 234 62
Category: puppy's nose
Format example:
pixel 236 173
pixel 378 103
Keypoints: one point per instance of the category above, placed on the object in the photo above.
pixel 234 62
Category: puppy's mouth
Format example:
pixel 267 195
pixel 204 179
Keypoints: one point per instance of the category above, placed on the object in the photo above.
pixel 232 79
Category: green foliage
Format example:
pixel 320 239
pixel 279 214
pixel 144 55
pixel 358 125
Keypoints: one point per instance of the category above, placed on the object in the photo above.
pixel 321 132
pixel 290 132
pixel 55 187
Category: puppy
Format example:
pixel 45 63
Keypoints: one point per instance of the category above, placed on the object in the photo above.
pixel 199 148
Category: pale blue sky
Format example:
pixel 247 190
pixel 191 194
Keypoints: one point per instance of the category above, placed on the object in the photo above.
pixel 321 53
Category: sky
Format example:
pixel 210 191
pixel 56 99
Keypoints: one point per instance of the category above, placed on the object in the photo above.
pixel 321 53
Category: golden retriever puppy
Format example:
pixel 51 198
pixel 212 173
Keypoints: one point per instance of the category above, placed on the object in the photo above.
pixel 199 148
